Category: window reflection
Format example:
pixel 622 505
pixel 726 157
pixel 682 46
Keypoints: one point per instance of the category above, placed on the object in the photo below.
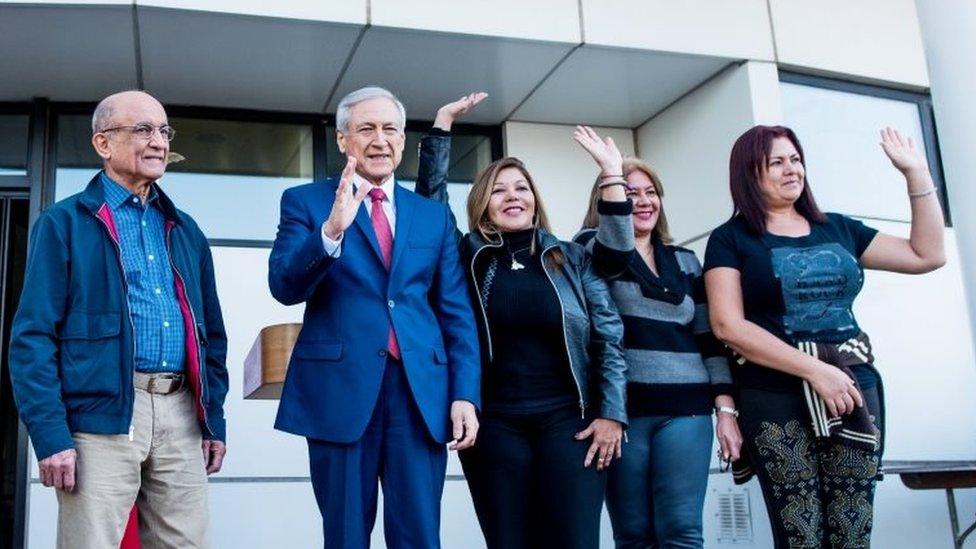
pixel 848 171
pixel 13 144
pixel 231 176
pixel 233 172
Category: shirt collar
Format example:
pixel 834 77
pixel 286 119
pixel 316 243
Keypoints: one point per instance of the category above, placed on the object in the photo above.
pixel 388 186
pixel 116 194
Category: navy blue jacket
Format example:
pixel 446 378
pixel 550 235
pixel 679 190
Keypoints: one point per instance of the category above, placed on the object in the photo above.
pixel 337 364
pixel 71 351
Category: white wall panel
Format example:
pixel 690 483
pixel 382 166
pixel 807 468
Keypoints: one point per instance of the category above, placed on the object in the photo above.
pixel 736 29
pixel 251 515
pixel 767 107
pixel 69 2
pixel 254 447
pixel 563 171
pixel 919 328
pixel 950 43
pixel 689 143
pixel 42 519
pixel 553 20
pixel 873 39
pixel 347 11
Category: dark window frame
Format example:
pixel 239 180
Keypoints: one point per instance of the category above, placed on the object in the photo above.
pixel 320 124
pixel 926 114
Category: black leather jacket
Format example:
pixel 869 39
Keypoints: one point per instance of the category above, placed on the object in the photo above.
pixel 592 329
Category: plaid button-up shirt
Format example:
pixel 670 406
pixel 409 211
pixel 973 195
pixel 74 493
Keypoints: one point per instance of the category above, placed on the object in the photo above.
pixel 153 307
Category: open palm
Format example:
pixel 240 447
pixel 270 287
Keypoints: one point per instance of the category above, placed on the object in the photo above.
pixel 901 151
pixel 603 151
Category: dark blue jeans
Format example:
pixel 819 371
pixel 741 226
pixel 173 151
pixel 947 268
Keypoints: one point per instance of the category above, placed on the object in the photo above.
pixel 656 491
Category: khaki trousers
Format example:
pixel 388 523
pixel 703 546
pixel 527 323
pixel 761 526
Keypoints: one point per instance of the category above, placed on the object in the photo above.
pixel 159 466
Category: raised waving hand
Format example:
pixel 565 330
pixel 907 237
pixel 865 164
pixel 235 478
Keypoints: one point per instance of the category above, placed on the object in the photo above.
pixel 448 114
pixel 346 203
pixel 603 150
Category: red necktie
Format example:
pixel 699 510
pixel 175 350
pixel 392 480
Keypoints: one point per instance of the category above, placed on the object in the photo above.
pixel 381 226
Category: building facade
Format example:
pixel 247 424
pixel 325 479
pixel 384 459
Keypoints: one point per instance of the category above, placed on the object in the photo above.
pixel 252 87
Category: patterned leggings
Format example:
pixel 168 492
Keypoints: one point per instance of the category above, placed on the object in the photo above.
pixel 818 493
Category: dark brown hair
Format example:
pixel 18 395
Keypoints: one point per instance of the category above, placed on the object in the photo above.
pixel 747 162
pixel 632 164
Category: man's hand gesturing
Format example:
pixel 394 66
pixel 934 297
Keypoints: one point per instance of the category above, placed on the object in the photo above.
pixel 346 203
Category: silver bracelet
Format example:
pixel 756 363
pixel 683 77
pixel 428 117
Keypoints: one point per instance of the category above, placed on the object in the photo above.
pixel 920 194
pixel 726 410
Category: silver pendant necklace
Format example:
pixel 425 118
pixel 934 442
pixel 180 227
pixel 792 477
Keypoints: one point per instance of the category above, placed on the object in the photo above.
pixel 516 266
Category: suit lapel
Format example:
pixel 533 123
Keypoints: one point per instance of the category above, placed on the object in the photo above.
pixel 404 218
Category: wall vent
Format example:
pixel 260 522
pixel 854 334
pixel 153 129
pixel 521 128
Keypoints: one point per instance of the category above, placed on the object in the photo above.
pixel 734 516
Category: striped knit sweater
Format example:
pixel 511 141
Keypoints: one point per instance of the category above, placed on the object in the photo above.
pixel 675 366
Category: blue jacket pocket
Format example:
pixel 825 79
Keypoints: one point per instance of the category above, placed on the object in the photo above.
pixel 91 360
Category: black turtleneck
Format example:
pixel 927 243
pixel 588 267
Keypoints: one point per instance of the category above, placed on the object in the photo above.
pixel 530 369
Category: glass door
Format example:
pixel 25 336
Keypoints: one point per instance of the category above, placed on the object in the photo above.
pixel 14 213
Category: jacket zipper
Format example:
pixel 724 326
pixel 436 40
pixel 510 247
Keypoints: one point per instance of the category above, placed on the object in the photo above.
pixel 128 313
pixel 477 290
pixel 562 311
pixel 196 337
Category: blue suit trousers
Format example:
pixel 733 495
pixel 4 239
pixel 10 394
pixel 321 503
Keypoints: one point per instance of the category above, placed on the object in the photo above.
pixel 396 449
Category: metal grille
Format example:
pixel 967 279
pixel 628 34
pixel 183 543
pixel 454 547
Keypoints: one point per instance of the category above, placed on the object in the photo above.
pixel 734 516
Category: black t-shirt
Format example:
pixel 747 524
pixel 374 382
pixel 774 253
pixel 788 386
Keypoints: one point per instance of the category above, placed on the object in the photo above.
pixel 797 288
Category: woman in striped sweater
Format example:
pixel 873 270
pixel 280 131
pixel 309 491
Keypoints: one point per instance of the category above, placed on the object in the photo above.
pixel 676 370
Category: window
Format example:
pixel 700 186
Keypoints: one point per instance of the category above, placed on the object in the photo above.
pixel 838 124
pixel 230 178
pixel 232 172
pixel 13 144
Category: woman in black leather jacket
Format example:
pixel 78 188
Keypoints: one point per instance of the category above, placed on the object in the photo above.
pixel 553 379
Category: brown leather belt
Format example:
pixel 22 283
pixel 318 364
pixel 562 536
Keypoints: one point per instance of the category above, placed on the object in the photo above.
pixel 160 384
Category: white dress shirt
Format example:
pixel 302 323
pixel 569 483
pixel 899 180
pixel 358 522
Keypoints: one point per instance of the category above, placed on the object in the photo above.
pixel 333 248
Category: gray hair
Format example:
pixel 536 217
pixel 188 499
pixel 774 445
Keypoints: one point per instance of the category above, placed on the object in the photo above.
pixel 105 110
pixel 103 114
pixel 365 94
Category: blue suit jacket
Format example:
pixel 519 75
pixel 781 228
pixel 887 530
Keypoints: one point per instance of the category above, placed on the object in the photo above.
pixel 337 365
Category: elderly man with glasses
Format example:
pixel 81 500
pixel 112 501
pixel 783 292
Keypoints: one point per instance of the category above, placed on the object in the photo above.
pixel 118 346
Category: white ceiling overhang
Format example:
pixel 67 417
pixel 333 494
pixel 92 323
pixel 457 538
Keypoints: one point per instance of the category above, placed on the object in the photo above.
pixel 84 52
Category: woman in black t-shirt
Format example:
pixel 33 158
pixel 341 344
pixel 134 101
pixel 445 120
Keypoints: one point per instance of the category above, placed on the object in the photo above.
pixel 781 277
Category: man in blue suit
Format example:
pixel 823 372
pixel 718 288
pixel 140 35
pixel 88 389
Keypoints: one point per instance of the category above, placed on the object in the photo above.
pixel 385 371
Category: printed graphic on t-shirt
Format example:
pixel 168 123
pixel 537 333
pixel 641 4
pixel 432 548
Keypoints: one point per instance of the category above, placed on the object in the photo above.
pixel 819 286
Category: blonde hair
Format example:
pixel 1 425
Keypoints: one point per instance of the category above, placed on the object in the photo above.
pixel 631 164
pixel 480 195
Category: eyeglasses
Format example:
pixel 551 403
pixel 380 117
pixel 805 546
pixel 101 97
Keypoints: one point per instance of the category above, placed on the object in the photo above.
pixel 146 131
